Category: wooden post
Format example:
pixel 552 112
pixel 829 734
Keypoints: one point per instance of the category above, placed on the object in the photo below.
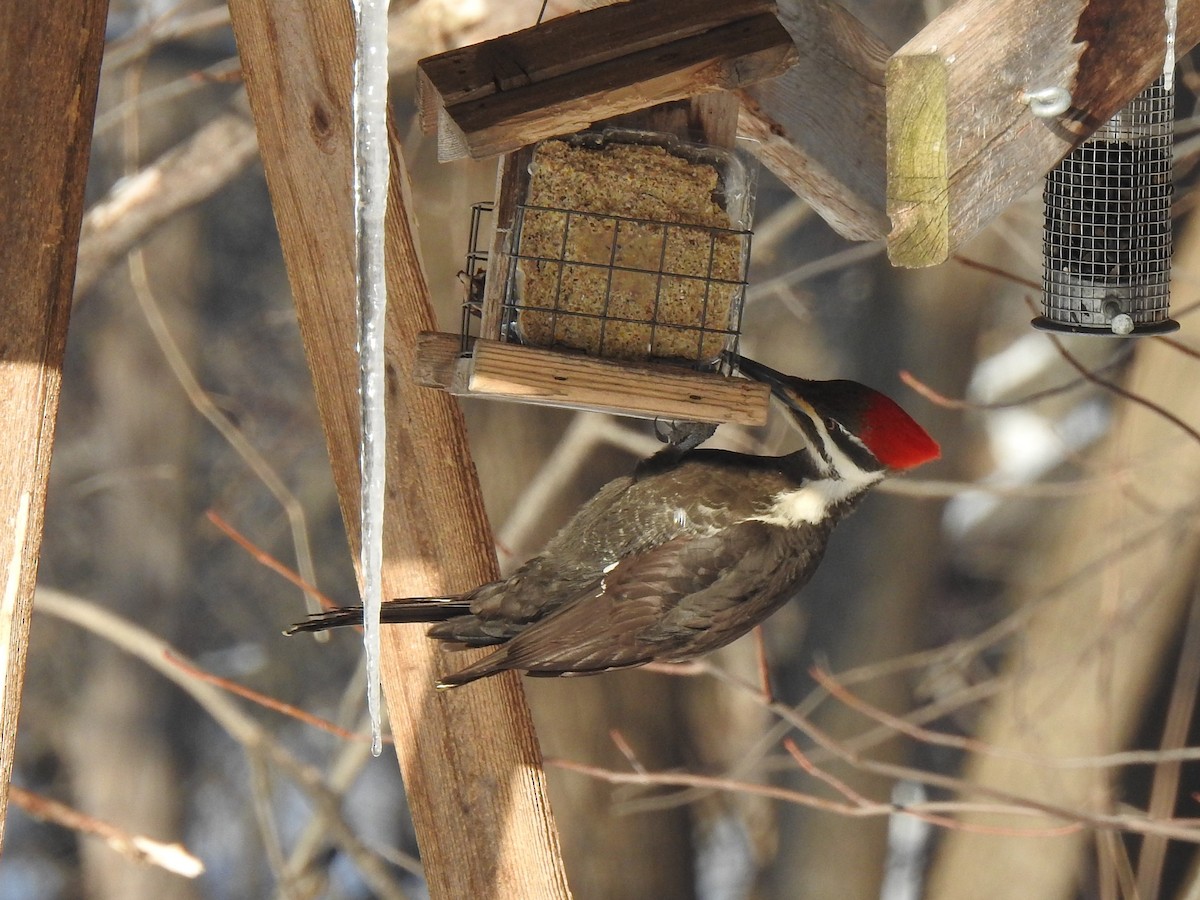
pixel 471 764
pixel 45 138
pixel 962 143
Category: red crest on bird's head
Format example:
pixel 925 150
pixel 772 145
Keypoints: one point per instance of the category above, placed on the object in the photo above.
pixel 874 419
pixel 893 435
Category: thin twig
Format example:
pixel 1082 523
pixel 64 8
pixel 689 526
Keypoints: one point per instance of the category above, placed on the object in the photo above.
pixel 1180 829
pixel 906 726
pixel 187 174
pixel 780 284
pixel 1165 789
pixel 168 27
pixel 1141 824
pixel 626 750
pixel 153 651
pixel 996 270
pixel 203 404
pixel 262 557
pixel 343 772
pixel 774 231
pixel 867 810
pixel 942 400
pixel 264 814
pixel 820 774
pixel 225 71
pixel 1123 392
pixel 941 489
pixel 1180 346
pixel 764 663
pixel 174 858
pixel 287 709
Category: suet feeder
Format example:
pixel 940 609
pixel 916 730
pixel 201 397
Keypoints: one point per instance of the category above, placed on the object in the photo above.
pixel 612 271
pixel 1107 234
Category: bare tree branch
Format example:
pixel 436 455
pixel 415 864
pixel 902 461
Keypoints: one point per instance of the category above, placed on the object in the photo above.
pixel 154 652
pixel 182 177
pixel 173 858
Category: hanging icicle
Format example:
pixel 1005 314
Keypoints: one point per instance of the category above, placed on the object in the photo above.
pixel 1169 58
pixel 371 166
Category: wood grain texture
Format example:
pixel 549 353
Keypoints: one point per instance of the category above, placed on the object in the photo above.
pixel 544 377
pixel 563 76
pixel 962 144
pixel 820 125
pixel 512 182
pixel 440 361
pixel 471 764
pixel 573 42
pixel 45 138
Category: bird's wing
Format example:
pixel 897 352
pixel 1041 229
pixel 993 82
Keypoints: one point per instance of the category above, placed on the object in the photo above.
pixel 633 528
pixel 651 605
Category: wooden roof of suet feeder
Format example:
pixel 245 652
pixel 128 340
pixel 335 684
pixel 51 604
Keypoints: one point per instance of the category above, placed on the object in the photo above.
pixel 660 66
pixel 565 75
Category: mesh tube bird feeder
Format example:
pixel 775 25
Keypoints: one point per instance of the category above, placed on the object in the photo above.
pixel 610 270
pixel 1107 233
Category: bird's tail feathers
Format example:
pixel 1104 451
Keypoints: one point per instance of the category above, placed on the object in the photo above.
pixel 406 610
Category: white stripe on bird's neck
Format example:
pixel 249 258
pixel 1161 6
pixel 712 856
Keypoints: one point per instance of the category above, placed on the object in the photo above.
pixel 810 503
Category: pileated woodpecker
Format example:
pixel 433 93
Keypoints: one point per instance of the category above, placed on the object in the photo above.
pixel 683 556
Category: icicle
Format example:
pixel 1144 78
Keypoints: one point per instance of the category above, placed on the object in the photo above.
pixel 371 165
pixel 1169 60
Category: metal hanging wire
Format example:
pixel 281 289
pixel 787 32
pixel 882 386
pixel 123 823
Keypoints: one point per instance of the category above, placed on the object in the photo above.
pixel 1106 247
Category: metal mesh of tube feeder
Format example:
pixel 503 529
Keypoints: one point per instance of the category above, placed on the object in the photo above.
pixel 1106 244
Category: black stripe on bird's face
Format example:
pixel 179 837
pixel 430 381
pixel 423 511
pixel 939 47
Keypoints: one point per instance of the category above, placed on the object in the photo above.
pixel 831 445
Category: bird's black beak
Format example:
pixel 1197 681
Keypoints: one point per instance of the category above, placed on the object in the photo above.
pixel 756 370
pixel 782 386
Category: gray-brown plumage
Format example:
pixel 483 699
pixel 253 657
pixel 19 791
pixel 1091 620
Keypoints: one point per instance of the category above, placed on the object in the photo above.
pixel 683 556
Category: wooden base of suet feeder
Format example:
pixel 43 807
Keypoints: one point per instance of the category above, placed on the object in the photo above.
pixel 504 371
pixel 617 270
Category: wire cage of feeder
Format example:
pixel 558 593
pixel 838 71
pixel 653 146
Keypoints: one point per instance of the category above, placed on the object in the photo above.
pixel 474 272
pixel 631 245
pixel 1106 247
pixel 607 286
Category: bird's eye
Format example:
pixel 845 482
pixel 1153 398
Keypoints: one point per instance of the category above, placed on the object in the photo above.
pixel 831 424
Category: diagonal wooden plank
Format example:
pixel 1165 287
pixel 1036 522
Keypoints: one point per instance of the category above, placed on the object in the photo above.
pixel 471 764
pixel 45 137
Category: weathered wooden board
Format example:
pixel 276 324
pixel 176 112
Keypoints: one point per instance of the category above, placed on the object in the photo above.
pixel 471 764
pixel 503 371
pixel 45 137
pixel 562 76
pixel 962 142
pixel 569 44
pixel 820 125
